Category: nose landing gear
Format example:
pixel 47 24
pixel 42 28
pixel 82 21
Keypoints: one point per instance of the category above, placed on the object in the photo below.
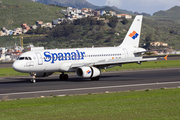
pixel 33 80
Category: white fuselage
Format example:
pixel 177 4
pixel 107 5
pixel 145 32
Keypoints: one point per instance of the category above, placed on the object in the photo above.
pixel 61 60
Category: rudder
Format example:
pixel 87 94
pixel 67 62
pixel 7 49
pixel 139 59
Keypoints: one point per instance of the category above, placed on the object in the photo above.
pixel 133 35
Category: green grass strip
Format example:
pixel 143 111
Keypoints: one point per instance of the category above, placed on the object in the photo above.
pixel 8 72
pixel 147 65
pixel 162 104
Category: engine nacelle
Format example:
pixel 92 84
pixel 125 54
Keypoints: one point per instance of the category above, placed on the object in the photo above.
pixel 88 72
pixel 41 74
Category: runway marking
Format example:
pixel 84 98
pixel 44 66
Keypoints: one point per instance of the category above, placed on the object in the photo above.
pixel 91 88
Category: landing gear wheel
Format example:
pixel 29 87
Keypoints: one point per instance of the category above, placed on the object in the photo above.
pixel 33 80
pixel 63 77
pixel 95 78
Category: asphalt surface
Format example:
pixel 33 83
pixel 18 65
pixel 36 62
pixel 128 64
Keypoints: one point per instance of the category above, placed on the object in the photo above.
pixel 20 87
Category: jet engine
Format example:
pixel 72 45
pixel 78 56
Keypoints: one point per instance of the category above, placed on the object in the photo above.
pixel 41 74
pixel 88 72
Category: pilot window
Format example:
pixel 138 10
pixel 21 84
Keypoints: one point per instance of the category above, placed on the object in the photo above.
pixel 21 58
pixel 29 58
pixel 24 58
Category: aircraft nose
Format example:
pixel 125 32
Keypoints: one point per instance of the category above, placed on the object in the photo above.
pixel 16 66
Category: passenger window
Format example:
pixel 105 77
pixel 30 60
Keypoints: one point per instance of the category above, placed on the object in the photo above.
pixel 26 58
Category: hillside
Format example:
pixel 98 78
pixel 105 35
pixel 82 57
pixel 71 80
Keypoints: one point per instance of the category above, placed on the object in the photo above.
pixel 123 11
pixel 88 32
pixel 172 14
pixel 15 12
pixel 85 32
pixel 73 3
pixel 117 10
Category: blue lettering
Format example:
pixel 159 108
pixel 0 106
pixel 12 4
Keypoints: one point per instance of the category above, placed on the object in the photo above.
pixel 60 56
pixel 67 55
pixel 54 57
pixel 47 57
pixel 63 56
pixel 73 55
pixel 82 54
pixel 78 55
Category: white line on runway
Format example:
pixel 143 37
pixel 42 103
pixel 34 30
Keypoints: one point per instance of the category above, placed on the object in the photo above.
pixel 91 88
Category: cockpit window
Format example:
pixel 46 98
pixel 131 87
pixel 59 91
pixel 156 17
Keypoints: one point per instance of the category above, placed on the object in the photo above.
pixel 24 58
pixel 21 58
pixel 29 58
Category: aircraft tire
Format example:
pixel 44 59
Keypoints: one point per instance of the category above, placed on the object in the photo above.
pixel 63 77
pixel 33 80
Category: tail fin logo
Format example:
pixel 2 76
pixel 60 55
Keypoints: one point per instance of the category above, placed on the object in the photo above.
pixel 133 35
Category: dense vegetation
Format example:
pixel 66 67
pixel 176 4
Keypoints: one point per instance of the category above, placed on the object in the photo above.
pixel 81 33
pixel 73 3
pixel 172 14
pixel 88 32
pixel 15 12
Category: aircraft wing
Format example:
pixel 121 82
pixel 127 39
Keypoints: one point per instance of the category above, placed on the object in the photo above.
pixel 114 62
pixel 124 61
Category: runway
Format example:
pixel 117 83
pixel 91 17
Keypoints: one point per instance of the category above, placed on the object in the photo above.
pixel 20 87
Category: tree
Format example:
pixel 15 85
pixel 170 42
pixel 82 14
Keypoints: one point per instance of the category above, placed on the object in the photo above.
pixel 124 21
pixel 148 40
pixel 62 30
pixel 113 22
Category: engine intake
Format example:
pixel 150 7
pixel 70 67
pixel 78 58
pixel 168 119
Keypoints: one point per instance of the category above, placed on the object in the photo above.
pixel 88 72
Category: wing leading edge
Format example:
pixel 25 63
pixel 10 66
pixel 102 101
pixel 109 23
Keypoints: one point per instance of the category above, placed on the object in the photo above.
pixel 115 62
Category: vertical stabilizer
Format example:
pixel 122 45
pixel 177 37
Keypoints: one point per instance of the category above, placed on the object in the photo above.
pixel 133 35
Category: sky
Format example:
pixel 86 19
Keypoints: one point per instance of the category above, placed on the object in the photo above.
pixel 147 6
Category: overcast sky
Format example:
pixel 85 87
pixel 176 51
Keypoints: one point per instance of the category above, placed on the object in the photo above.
pixel 147 6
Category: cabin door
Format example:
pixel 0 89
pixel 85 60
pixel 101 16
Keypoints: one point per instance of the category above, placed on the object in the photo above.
pixel 40 58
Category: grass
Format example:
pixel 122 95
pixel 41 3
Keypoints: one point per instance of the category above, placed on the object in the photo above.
pixel 8 72
pixel 147 65
pixel 152 104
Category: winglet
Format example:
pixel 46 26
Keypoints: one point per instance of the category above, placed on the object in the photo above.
pixel 166 57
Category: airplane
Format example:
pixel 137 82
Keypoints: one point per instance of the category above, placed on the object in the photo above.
pixel 85 62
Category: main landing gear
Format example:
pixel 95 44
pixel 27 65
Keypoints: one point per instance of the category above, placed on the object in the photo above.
pixel 63 77
pixel 33 80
